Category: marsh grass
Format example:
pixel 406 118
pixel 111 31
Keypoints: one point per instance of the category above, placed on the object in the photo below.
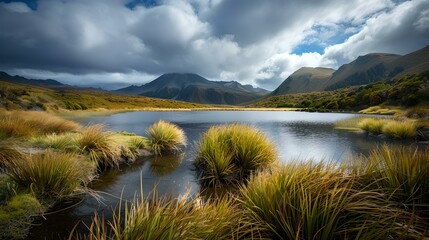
pixel 100 146
pixel 318 201
pixel 50 175
pixel 161 217
pixel 165 137
pixel 404 129
pixel 228 154
pixel 28 124
pixel 372 125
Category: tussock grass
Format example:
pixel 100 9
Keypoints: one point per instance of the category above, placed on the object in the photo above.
pixel 380 110
pixel 372 125
pixel 165 137
pixel 400 129
pixel 8 151
pixel 66 142
pixel 100 146
pixel 161 218
pixel 318 201
pixel 28 124
pixel 349 123
pixel 50 175
pixel 402 172
pixel 228 154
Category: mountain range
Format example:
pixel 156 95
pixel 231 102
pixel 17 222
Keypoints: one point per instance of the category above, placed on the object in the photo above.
pixel 365 69
pixel 191 87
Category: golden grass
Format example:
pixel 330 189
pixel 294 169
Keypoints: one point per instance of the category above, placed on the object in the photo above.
pixel 50 175
pixel 100 146
pixel 228 154
pixel 400 129
pixel 28 124
pixel 381 110
pixel 372 125
pixel 349 123
pixel 166 137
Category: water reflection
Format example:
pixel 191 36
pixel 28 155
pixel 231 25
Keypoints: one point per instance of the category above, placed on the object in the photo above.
pixel 165 165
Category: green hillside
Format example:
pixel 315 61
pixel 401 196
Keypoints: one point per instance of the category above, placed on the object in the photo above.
pixel 408 91
pixel 21 96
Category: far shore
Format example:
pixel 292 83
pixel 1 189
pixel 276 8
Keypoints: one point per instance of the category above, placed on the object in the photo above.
pixel 103 111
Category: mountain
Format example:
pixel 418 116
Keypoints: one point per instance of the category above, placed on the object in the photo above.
pixel 194 88
pixel 305 79
pixel 365 69
pixel 48 83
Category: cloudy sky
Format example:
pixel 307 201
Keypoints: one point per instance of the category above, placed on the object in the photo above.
pixel 115 43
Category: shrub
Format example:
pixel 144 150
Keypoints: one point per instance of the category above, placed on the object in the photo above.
pixel 228 154
pixel 166 218
pixel 165 137
pixel 100 146
pixel 50 175
pixel 372 125
pixel 317 201
pixel 400 129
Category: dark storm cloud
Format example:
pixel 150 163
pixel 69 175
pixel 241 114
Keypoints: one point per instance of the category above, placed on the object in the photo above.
pixel 247 40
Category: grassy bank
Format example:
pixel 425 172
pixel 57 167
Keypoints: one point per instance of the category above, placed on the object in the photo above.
pixel 45 159
pixel 382 196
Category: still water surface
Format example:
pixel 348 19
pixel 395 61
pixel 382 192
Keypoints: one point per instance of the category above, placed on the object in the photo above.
pixel 297 135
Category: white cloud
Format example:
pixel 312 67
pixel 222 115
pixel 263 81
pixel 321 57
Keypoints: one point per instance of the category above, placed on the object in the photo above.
pixel 90 41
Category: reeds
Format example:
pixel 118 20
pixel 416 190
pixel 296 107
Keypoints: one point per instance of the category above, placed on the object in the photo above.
pixel 228 154
pixel 50 175
pixel 165 137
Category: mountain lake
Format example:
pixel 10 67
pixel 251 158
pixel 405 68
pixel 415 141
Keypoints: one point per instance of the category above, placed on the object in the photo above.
pixel 298 136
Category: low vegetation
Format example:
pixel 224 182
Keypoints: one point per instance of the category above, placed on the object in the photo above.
pixel 48 159
pixel 408 91
pixel 26 97
pixel 382 196
pixel 165 137
pixel 160 218
pixel 228 154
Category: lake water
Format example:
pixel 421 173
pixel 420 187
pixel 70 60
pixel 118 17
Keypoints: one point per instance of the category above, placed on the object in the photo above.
pixel 297 135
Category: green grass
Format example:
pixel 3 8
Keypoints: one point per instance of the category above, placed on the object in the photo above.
pixel 65 141
pixel 50 175
pixel 165 137
pixel 228 154
pixel 159 217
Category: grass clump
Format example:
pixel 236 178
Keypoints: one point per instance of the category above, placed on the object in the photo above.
pixel 100 146
pixel 50 175
pixel 402 172
pixel 165 137
pixel 16 216
pixel 161 218
pixel 372 125
pixel 400 129
pixel 317 201
pixel 64 142
pixel 349 123
pixel 8 151
pixel 28 124
pixel 228 154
